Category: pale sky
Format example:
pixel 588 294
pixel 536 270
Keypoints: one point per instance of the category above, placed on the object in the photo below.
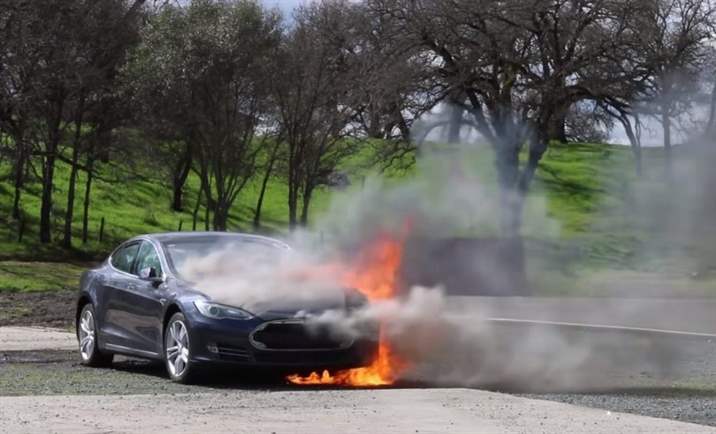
pixel 285 5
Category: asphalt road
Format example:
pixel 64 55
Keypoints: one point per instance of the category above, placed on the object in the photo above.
pixel 696 315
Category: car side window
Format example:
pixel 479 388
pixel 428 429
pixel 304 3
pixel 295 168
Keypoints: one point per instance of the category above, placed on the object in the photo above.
pixel 124 257
pixel 148 258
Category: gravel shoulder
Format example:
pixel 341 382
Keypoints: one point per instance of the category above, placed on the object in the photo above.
pixel 35 339
pixel 686 392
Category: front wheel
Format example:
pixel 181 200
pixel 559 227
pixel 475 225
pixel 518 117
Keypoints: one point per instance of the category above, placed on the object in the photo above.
pixel 177 354
pixel 90 353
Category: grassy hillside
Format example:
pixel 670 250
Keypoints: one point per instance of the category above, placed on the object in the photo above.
pixel 583 192
pixel 138 203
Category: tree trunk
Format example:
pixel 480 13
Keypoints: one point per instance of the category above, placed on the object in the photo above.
pixel 454 126
pixel 19 178
pixel 197 205
pixel 264 184
pixel 207 216
pixel 48 168
pixel 308 192
pixel 293 187
pixel 180 175
pixel 69 212
pixel 666 124
pixel 205 190
pixel 221 214
pixel 292 204
pixel 48 178
pixel 507 162
pixel 514 186
pixel 292 210
pixel 514 183
pixel 634 141
pixel 48 173
pixel 556 127
pixel 86 204
pixel 711 125
pixel 638 160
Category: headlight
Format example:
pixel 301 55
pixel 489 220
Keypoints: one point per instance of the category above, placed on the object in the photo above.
pixel 219 311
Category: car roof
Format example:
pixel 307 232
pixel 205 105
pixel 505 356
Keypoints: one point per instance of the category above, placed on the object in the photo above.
pixel 173 237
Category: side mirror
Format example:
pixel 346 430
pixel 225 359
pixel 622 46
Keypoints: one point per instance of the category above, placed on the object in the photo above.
pixel 150 274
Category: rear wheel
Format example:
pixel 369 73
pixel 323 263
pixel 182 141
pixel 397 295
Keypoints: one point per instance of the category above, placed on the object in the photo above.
pixel 177 354
pixel 90 353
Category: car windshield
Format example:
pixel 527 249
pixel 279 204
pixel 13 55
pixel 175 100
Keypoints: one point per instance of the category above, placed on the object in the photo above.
pixel 182 252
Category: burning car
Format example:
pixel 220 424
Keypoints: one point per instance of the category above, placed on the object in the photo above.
pixel 139 302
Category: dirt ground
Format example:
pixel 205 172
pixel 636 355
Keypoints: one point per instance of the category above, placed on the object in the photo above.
pixel 45 309
pixel 319 411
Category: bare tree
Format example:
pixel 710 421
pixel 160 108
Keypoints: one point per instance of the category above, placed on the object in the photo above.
pixel 34 72
pixel 519 67
pixel 206 66
pixel 674 36
pixel 272 157
pixel 109 28
pixel 58 59
pixel 17 70
pixel 630 120
pixel 230 99
pixel 158 80
pixel 311 88
pixel 392 85
pixel 711 123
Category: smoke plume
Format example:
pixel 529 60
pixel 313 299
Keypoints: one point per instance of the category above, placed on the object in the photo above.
pixel 439 344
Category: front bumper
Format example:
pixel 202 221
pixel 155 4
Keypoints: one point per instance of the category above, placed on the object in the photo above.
pixel 230 342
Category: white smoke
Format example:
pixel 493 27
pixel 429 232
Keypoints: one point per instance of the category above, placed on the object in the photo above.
pixel 259 278
pixel 447 347
pixel 441 345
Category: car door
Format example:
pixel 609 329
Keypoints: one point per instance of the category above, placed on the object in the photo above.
pixel 147 299
pixel 134 305
pixel 114 308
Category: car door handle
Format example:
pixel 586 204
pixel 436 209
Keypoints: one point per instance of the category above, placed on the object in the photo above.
pixel 132 286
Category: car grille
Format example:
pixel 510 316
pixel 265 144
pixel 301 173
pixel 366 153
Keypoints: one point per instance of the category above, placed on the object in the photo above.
pixel 230 352
pixel 295 336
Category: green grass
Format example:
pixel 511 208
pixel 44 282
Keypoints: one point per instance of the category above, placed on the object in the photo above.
pixel 587 190
pixel 17 276
pixel 136 204
pixel 579 219
pixel 130 205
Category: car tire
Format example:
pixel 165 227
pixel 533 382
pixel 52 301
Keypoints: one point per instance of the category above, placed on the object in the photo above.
pixel 86 328
pixel 177 350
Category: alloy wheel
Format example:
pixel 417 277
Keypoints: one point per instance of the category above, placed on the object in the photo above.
pixel 177 348
pixel 87 335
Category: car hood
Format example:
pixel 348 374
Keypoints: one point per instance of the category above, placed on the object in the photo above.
pixel 285 306
pixel 284 309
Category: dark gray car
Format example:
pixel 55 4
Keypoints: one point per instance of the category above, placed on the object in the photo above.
pixel 136 303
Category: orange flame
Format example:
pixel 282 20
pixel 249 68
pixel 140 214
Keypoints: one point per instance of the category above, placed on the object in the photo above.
pixel 375 274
